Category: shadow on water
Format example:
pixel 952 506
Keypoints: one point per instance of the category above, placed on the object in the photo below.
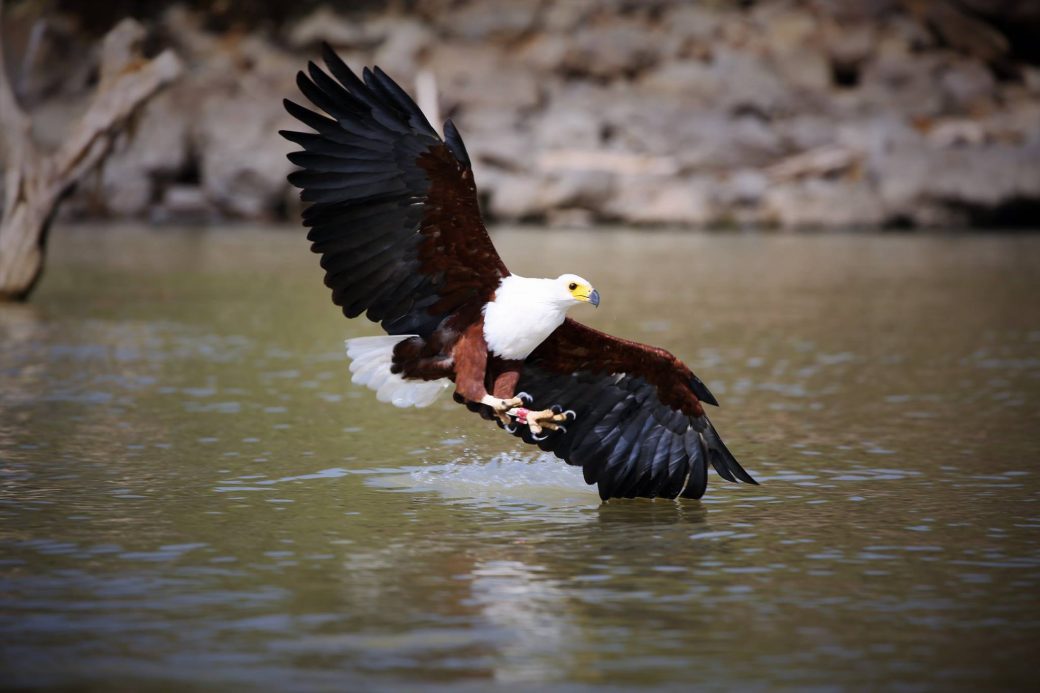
pixel 641 516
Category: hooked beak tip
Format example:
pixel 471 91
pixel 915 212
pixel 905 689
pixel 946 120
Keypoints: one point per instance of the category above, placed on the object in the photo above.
pixel 594 298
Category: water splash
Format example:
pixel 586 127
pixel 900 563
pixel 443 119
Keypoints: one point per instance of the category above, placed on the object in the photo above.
pixel 506 477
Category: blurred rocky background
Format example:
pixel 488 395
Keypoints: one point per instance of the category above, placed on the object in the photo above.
pixel 776 113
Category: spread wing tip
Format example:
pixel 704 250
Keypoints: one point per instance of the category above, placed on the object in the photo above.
pixel 722 459
pixel 702 391
pixel 453 139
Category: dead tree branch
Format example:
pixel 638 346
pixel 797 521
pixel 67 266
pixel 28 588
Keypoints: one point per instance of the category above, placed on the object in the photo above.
pixel 35 182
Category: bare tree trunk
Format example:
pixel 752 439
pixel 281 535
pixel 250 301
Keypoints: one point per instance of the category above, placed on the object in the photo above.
pixel 36 182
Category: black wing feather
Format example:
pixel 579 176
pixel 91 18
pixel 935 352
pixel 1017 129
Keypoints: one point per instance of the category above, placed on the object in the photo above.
pixel 454 142
pixel 629 437
pixel 377 174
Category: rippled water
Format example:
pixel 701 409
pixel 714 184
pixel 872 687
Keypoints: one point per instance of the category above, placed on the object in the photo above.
pixel 192 491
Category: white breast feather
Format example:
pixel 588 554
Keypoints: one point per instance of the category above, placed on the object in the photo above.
pixel 525 311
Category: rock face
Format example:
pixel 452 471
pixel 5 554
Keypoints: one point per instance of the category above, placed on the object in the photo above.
pixel 778 113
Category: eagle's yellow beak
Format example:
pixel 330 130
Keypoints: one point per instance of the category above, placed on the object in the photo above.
pixel 587 294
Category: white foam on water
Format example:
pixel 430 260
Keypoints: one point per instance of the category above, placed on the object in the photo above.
pixel 506 478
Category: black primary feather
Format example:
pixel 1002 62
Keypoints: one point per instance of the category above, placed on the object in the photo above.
pixel 625 439
pixel 368 171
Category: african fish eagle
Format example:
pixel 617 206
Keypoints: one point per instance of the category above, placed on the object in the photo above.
pixel 393 213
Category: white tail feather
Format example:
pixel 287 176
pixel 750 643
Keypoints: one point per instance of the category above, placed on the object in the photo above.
pixel 371 359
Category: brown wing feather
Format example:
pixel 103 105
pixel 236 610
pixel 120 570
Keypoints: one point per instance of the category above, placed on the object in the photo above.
pixel 640 428
pixel 394 210
pixel 577 347
pixel 456 242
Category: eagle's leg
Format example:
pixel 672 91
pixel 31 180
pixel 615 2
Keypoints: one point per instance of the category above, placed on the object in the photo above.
pixel 503 397
pixel 471 369
pixel 506 379
pixel 501 407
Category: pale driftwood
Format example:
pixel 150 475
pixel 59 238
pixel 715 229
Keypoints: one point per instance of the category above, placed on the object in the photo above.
pixel 35 182
pixel 426 97
pixel 827 160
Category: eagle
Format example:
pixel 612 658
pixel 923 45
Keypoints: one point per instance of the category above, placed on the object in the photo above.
pixel 393 213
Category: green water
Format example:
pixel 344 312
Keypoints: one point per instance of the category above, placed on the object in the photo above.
pixel 191 491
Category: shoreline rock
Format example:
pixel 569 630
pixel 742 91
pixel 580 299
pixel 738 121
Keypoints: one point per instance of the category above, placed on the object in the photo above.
pixel 785 114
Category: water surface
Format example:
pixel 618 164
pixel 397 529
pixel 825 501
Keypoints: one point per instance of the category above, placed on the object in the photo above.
pixel 192 491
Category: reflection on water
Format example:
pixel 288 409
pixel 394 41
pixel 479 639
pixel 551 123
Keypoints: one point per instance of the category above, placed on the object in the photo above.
pixel 191 489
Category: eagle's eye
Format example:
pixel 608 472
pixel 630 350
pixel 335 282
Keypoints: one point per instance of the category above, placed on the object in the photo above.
pixel 572 286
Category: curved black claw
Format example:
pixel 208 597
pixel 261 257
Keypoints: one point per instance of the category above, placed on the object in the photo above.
pixel 546 432
pixel 511 427
pixel 570 415
pixel 556 409
pixel 525 398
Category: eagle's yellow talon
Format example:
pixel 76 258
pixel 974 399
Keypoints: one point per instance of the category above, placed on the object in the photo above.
pixel 544 419
pixel 501 407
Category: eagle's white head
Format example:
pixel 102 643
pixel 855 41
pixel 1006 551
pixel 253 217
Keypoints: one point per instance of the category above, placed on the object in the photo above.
pixel 573 290
pixel 525 311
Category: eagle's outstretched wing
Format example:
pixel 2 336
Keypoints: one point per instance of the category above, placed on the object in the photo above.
pixel 393 208
pixel 640 428
pixel 395 218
